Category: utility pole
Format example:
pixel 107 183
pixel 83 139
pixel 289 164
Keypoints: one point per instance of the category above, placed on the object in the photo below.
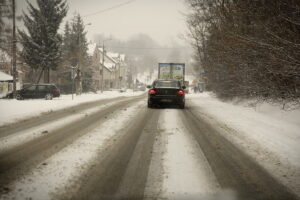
pixel 13 49
pixel 79 58
pixel 74 68
pixel 102 75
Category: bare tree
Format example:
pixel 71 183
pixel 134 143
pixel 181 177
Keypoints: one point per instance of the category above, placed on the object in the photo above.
pixel 248 48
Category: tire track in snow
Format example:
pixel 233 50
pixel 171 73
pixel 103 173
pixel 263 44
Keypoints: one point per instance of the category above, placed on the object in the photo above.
pixel 44 118
pixel 21 159
pixel 185 172
pixel 121 171
pixel 13 140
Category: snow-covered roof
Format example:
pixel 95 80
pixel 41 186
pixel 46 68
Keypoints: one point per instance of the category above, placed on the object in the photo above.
pixel 5 77
pixel 113 55
pixel 91 49
pixel 108 55
pixel 109 65
pixel 122 57
pixel 116 56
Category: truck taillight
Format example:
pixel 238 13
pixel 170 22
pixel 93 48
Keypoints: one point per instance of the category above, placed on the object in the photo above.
pixel 152 92
pixel 180 92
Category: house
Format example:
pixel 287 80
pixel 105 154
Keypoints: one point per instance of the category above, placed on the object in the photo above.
pixel 113 65
pixel 6 83
pixel 5 62
pixel 97 69
pixel 121 70
pixel 6 80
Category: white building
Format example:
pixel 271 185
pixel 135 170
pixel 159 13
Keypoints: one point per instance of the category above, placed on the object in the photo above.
pixel 113 65
pixel 6 83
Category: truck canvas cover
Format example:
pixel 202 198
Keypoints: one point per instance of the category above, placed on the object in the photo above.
pixel 171 71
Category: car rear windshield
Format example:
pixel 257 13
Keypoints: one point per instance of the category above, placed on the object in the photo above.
pixel 41 87
pixel 166 84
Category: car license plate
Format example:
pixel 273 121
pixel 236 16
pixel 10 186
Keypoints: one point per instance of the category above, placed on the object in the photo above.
pixel 166 100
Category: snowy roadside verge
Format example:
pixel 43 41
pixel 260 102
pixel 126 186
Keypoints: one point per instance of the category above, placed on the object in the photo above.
pixel 267 133
pixel 15 110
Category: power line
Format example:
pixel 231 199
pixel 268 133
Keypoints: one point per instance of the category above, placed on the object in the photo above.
pixel 110 8
pixel 148 48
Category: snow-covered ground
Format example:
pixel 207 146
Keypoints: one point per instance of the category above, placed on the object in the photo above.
pixel 13 110
pixel 55 175
pixel 266 132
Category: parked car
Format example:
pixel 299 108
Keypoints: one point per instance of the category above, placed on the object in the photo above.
pixel 166 91
pixel 36 91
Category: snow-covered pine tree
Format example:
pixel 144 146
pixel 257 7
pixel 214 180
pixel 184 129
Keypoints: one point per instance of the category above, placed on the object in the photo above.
pixel 79 42
pixel 63 73
pixel 79 48
pixel 42 42
pixel 74 46
pixel 67 40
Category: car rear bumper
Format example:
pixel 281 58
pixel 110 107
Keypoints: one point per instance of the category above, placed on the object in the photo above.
pixel 166 99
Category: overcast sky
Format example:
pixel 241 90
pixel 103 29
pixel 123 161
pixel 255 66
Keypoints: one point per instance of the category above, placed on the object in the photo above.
pixel 161 19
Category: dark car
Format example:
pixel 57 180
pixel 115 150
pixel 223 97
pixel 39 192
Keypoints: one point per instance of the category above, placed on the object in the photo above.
pixel 166 91
pixel 37 91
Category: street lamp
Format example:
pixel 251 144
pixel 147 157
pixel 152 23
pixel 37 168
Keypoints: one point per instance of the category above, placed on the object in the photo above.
pixel 13 49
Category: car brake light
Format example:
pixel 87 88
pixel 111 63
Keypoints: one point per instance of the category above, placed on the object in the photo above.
pixel 180 92
pixel 152 92
pixel 55 90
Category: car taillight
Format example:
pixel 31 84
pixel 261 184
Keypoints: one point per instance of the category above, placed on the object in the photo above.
pixel 55 90
pixel 152 92
pixel 180 92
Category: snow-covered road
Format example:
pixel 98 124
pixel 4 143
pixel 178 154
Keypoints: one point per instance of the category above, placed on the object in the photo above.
pixel 120 149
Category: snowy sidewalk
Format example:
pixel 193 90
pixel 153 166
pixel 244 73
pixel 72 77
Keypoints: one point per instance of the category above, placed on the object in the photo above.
pixel 14 110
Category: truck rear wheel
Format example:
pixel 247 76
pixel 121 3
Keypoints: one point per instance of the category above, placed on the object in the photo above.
pixel 182 106
pixel 150 105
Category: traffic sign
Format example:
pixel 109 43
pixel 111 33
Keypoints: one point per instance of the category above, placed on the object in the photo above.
pixel 74 62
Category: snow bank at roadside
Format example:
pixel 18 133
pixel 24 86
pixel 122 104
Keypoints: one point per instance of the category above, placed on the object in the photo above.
pixel 13 110
pixel 272 111
pixel 266 132
pixel 276 128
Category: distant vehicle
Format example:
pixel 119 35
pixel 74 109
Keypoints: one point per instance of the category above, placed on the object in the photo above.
pixel 140 87
pixel 37 91
pixel 166 91
pixel 123 89
pixel 187 86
